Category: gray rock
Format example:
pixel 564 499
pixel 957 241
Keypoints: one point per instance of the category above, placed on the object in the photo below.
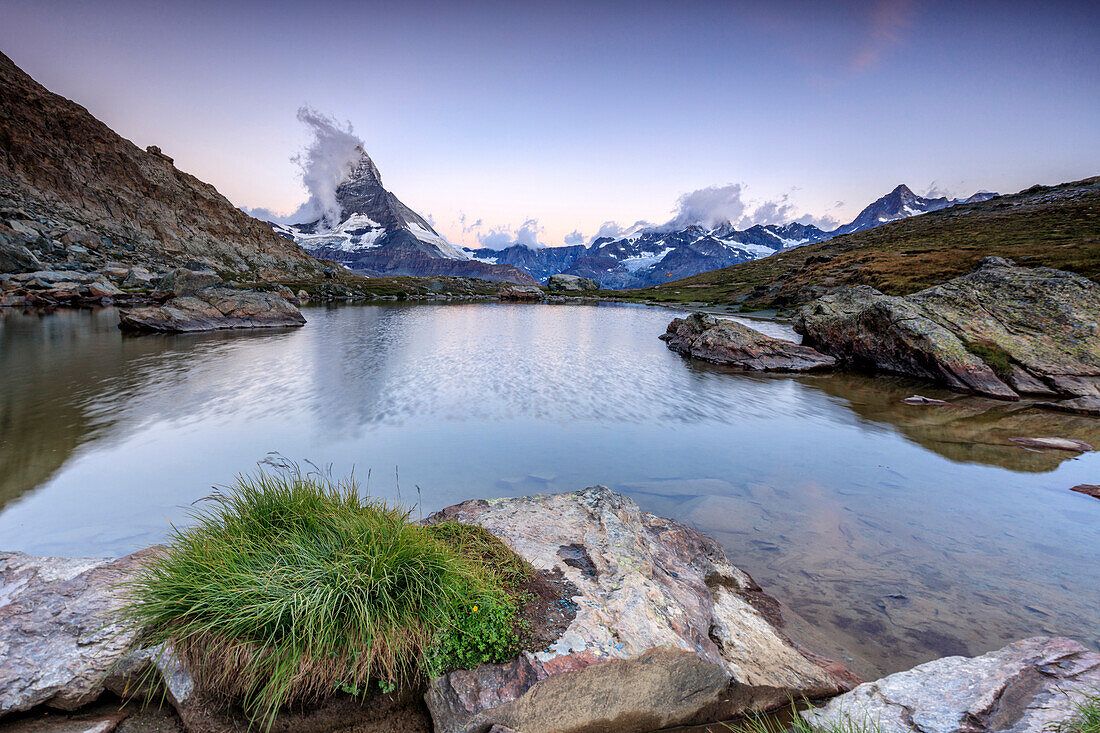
pixel 213 308
pixel 571 284
pixel 182 281
pixel 58 640
pixel 1022 688
pixel 521 292
pixel 922 400
pixel 999 331
pixel 102 289
pixel 17 258
pixel 667 630
pixel 728 342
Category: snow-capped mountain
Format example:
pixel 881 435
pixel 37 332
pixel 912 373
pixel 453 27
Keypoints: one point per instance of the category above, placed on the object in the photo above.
pixel 659 254
pixel 379 235
pixel 539 262
pixel 647 256
pixel 899 204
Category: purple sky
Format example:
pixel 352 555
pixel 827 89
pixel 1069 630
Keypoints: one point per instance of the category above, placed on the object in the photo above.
pixel 574 114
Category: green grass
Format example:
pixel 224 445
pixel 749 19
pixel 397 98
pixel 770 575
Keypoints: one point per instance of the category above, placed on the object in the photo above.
pixel 290 586
pixel 1085 717
pixel 996 358
pixel 789 721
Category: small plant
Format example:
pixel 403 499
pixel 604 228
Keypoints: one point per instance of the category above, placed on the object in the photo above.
pixel 789 721
pixel 1085 717
pixel 996 358
pixel 290 586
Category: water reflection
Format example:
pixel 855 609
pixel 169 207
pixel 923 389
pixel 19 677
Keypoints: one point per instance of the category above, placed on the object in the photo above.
pixel 894 533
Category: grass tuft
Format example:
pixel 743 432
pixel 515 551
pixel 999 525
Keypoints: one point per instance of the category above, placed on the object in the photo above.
pixel 288 587
pixel 1084 719
pixel 996 358
pixel 789 721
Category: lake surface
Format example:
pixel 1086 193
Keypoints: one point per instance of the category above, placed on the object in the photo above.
pixel 892 533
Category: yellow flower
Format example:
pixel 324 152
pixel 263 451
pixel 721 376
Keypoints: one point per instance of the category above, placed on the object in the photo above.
pixel 475 609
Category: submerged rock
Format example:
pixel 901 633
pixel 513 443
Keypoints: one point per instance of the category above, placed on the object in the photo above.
pixel 213 308
pixel 1088 490
pixel 1023 688
pixel 667 630
pixel 728 342
pixel 1070 444
pixel 999 331
pixel 571 284
pixel 58 642
pixel 922 400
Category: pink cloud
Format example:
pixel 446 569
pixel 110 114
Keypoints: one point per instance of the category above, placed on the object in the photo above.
pixel 888 19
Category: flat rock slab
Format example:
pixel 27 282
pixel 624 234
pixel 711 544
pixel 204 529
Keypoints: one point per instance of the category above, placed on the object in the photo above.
pixel 58 639
pixel 1088 490
pixel 521 292
pixel 722 341
pixel 1069 444
pixel 921 400
pixel 1000 331
pixel 667 630
pixel 1022 688
pixel 211 309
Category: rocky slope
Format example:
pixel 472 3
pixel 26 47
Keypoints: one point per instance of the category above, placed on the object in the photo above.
pixel 73 192
pixel 1000 331
pixel 1051 226
pixel 379 235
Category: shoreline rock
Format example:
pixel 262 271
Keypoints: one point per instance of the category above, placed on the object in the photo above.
pixel 1000 331
pixel 525 293
pixel 1066 444
pixel 213 308
pixel 562 283
pixel 727 342
pixel 1022 688
pixel 667 631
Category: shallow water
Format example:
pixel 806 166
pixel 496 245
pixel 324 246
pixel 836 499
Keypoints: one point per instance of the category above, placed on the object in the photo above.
pixel 892 533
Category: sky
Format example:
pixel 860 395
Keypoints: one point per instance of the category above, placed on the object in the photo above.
pixel 547 123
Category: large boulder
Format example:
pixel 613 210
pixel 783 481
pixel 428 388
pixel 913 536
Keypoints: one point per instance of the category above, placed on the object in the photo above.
pixel 723 341
pixel 213 308
pixel 59 643
pixel 17 258
pixel 1023 688
pixel 667 631
pixel 999 331
pixel 571 284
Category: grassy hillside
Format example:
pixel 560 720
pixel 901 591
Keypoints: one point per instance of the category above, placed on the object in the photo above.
pixel 1051 226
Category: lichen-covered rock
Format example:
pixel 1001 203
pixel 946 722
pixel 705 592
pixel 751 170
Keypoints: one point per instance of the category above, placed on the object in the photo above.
pixel 213 308
pixel 182 281
pixel 58 638
pixel 667 630
pixel 723 341
pixel 1022 688
pixel 999 331
pixel 571 284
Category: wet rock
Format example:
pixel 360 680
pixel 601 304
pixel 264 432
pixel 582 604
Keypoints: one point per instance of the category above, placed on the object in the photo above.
pixel 1023 688
pixel 1077 406
pixel 999 331
pixel 571 284
pixel 728 342
pixel 922 400
pixel 182 281
pixel 213 308
pixel 1088 490
pixel 57 639
pixel 667 631
pixel 521 292
pixel 1078 446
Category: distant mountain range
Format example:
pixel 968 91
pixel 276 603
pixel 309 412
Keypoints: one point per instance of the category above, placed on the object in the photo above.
pixel 379 235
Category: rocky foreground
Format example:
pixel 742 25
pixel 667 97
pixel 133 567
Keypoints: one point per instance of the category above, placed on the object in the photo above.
pixel 1001 331
pixel 664 631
